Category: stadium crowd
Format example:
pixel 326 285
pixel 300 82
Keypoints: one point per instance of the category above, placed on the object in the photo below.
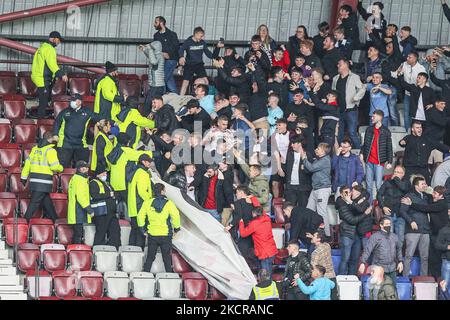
pixel 273 137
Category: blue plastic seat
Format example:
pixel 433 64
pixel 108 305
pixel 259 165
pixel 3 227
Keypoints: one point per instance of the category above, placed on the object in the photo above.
pixel 365 287
pixel 415 267
pixel 404 288
pixel 336 261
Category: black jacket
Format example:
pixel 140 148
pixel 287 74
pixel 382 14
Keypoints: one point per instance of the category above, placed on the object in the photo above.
pixel 264 62
pixel 443 241
pixel 445 85
pixel 388 64
pixel 304 220
pixel 242 210
pixel 165 119
pixel 300 110
pixel 419 217
pixel 437 122
pixel 349 220
pixel 170 43
pixel 187 122
pixel 161 147
pixel 365 225
pixel 304 176
pixel 438 214
pixel 351 29
pixel 240 85
pixel 298 264
pixel 384 144
pixel 318 46
pixel 257 105
pixel 223 192
pixel 313 61
pixel 428 96
pixel 380 32
pixel 330 115
pixel 391 192
pixel 293 47
pixel 94 193
pixel 329 62
pixel 418 150
pixel 282 90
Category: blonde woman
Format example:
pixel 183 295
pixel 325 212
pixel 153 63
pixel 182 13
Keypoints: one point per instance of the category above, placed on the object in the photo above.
pixel 267 43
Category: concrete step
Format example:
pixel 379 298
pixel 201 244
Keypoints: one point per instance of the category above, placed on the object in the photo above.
pixel 2 245
pixel 9 280
pixel 4 254
pixel 11 289
pixel 10 271
pixel 16 296
pixel 6 263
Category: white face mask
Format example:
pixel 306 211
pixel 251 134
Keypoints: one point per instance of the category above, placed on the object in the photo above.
pixel 73 104
pixel 103 178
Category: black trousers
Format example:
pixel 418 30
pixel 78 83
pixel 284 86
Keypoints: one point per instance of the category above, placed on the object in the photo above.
pixel 294 293
pixel 66 156
pixel 77 233
pixel 296 196
pixel 136 236
pixel 38 200
pixel 410 170
pixel 44 95
pixel 434 259
pixel 163 242
pixel 107 225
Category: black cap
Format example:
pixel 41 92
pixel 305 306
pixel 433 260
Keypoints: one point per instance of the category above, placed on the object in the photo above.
pixel 81 164
pixel 132 102
pixel 145 157
pixel 110 67
pixel 55 34
pixel 77 96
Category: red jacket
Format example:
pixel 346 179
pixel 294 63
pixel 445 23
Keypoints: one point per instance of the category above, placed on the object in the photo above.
pixel 284 63
pixel 261 231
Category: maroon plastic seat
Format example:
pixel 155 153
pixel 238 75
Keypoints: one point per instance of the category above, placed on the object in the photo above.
pixel 91 284
pixel 26 149
pixel 26 85
pixel 28 256
pixel 8 203
pixel 59 106
pixel 3 180
pixel 14 107
pixel 44 125
pixel 88 102
pixel 64 232
pixel 54 259
pixel 15 185
pixel 24 202
pixel 216 294
pixel 130 85
pixel 80 257
pixel 22 230
pixel 80 83
pixel 8 82
pixel 42 231
pixel 65 284
pixel 25 131
pixel 10 155
pixel 60 202
pixel 179 264
pixel 64 178
pixel 277 204
pixel 195 286
pixel 49 298
pixel 5 131
pixel 427 279
pixel 59 88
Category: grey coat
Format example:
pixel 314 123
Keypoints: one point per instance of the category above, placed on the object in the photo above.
pixel 354 90
pixel 385 250
pixel 321 172
pixel 155 64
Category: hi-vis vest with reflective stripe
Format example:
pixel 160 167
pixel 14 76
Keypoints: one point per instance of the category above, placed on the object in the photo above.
pixel 108 147
pixel 267 293
pixel 40 166
pixel 99 207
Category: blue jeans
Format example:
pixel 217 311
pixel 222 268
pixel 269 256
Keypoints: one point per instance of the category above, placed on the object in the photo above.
pixel 267 264
pixel 373 171
pixel 215 214
pixel 169 68
pixel 392 104
pixel 445 272
pixel 399 229
pixel 348 122
pixel 350 251
pixel 406 104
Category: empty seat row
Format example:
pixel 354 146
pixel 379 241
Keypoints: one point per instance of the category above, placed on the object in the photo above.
pixel 24 131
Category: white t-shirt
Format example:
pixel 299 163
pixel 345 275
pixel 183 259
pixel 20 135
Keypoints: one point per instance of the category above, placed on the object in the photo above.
pixel 191 194
pixel 283 144
pixel 420 114
pixel 294 174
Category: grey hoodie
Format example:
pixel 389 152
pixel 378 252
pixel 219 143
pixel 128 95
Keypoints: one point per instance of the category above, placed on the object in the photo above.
pixel 155 64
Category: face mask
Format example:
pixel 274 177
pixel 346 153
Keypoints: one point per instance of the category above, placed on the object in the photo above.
pixel 73 105
pixel 387 229
pixel 103 178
